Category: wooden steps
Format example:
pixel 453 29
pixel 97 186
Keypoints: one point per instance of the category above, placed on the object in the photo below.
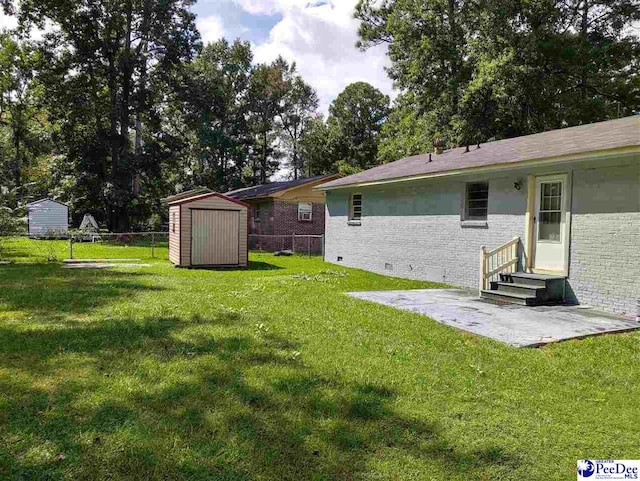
pixel 526 289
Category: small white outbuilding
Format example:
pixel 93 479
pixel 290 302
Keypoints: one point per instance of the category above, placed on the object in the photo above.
pixel 48 218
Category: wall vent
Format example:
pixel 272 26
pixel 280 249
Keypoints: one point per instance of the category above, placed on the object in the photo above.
pixel 388 267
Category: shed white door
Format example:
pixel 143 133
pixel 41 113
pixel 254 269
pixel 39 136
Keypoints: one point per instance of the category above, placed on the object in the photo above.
pixel 550 223
pixel 215 237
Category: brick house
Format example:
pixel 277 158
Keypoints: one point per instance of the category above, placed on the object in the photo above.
pixel 279 210
pixel 511 218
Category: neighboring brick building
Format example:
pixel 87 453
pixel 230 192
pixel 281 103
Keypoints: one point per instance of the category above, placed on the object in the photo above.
pixel 570 196
pixel 279 210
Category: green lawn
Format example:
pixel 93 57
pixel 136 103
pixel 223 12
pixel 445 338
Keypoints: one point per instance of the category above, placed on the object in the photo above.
pixel 273 373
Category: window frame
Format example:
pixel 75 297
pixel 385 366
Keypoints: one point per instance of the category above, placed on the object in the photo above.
pixel 257 212
pixel 352 207
pixel 301 213
pixel 466 205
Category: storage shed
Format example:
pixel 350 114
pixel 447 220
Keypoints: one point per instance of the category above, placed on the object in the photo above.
pixel 47 218
pixel 208 230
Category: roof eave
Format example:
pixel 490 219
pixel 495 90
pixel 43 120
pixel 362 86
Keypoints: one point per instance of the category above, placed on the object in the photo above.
pixel 244 199
pixel 44 200
pixel 206 196
pixel 314 183
pixel 593 155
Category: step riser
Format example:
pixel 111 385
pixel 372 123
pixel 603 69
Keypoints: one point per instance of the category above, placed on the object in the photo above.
pixel 498 299
pixel 532 291
pixel 554 286
pixel 524 280
pixel 526 290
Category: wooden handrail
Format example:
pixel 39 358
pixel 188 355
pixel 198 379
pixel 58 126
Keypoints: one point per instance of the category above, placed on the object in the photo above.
pixel 515 240
pixel 504 258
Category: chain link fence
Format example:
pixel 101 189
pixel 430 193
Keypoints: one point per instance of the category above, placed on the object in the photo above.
pixel 298 244
pixel 126 245
pixel 129 245
pixel 133 245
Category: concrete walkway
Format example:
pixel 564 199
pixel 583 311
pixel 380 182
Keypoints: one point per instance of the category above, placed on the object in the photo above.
pixel 101 265
pixel 515 325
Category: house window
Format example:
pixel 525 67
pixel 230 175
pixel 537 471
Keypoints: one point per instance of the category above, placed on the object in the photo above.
pixel 257 212
pixel 305 211
pixel 355 207
pixel 173 222
pixel 476 201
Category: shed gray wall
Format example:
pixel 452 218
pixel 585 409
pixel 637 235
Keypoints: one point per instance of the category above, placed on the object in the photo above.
pixel 417 229
pixel 48 218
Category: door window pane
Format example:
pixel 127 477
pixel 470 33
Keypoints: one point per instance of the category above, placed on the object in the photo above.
pixel 550 222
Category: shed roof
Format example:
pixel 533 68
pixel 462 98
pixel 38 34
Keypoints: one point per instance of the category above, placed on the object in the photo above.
pixel 596 137
pixel 272 188
pixel 46 200
pixel 186 194
pixel 206 196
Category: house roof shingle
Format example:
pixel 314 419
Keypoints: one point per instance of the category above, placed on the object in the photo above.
pixel 594 137
pixel 267 190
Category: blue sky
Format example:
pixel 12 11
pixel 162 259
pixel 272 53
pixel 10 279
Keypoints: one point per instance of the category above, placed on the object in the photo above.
pixel 319 35
pixel 236 21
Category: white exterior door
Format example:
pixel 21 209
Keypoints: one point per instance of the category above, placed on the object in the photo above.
pixel 550 223
pixel 215 237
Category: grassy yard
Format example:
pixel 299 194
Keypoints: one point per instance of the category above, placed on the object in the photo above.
pixel 273 373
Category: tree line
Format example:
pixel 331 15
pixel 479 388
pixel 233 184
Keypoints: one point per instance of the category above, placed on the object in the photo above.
pixel 474 71
pixel 120 104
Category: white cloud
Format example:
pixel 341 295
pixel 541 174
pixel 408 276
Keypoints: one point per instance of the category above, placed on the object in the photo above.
pixel 320 37
pixel 211 28
pixel 7 22
pixel 10 22
pixel 267 7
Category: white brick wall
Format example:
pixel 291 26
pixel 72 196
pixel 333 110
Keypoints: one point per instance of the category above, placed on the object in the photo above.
pixel 605 238
pixel 417 229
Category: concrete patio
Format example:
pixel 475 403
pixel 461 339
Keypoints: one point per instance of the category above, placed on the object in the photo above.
pixel 514 325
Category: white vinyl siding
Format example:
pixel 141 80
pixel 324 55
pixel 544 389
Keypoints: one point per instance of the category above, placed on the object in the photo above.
pixel 48 218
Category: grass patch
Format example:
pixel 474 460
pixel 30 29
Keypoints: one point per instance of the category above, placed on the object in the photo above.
pixel 273 373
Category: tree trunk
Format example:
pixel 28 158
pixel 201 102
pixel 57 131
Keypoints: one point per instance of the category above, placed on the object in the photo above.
pixel 265 159
pixel 125 179
pixel 455 64
pixel 114 139
pixel 17 166
pixel 584 33
pixel 295 160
